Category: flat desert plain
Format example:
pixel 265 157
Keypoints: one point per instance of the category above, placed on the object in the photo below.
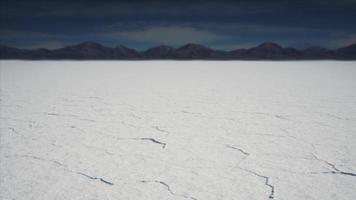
pixel 196 130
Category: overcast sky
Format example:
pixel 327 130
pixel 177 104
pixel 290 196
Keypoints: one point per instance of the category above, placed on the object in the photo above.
pixel 141 24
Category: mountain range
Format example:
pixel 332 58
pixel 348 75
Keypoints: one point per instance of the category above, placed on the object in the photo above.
pixel 96 51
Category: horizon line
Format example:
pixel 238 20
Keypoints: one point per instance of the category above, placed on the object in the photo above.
pixel 164 45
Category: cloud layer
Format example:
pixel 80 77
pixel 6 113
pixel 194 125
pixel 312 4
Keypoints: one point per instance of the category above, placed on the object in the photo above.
pixel 166 35
pixel 141 24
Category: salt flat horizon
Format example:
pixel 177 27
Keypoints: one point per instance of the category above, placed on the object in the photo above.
pixel 177 130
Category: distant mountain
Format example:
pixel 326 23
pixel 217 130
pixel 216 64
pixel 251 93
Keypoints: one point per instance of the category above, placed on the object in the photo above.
pixel 96 51
pixel 87 50
pixel 187 52
pixel 123 52
pixel 348 52
pixel 11 53
pixel 196 51
pixel 317 52
pixel 160 52
pixel 267 51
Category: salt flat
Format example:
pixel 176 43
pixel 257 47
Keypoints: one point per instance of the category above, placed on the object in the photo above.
pixel 178 130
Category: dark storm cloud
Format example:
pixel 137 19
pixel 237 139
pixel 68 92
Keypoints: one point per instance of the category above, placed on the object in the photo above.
pixel 132 8
pixel 225 24
pixel 201 9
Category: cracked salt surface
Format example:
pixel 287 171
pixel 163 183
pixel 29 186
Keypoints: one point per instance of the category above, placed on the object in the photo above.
pixel 169 189
pixel 177 130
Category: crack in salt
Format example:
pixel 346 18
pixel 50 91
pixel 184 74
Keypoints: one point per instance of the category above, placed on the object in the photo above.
pixel 66 168
pixel 166 185
pixel 155 141
pixel 144 138
pixel 239 149
pixel 267 182
pixel 95 178
pixel 69 115
pixel 159 129
pixel 169 189
pixel 335 169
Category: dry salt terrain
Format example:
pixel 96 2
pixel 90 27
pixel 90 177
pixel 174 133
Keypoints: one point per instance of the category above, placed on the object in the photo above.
pixel 196 130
